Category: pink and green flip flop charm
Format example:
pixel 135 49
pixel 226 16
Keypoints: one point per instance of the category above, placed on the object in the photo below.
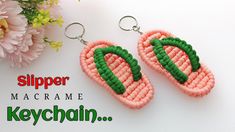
pixel 177 60
pixel 118 72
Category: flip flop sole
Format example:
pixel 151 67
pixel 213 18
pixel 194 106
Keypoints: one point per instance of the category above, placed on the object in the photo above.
pixel 199 83
pixel 137 94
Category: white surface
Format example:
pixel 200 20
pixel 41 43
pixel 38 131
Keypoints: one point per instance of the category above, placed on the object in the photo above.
pixel 208 25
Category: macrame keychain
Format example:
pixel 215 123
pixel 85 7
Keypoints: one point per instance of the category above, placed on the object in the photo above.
pixel 115 69
pixel 173 57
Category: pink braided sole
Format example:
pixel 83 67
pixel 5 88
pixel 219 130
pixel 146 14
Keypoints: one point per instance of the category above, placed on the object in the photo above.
pixel 137 93
pixel 199 83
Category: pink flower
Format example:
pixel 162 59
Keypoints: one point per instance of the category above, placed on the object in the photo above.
pixel 32 45
pixel 12 26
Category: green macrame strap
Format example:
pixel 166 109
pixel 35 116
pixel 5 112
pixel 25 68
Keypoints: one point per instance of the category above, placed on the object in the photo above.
pixel 106 73
pixel 166 61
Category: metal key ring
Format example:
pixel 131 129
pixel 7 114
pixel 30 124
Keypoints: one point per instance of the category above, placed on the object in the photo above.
pixel 135 27
pixel 74 37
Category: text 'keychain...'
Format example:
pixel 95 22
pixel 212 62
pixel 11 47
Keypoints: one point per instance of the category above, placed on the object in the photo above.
pixel 173 57
pixel 115 69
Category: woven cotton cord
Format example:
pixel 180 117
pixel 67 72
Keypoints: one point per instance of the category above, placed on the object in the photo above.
pixel 168 64
pixel 107 74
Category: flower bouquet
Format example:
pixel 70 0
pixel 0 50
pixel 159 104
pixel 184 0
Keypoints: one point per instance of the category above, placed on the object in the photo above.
pixel 23 25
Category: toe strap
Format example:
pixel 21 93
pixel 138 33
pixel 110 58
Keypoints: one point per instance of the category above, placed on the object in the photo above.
pixel 166 61
pixel 106 73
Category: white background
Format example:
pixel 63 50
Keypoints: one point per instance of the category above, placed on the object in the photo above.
pixel 209 25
